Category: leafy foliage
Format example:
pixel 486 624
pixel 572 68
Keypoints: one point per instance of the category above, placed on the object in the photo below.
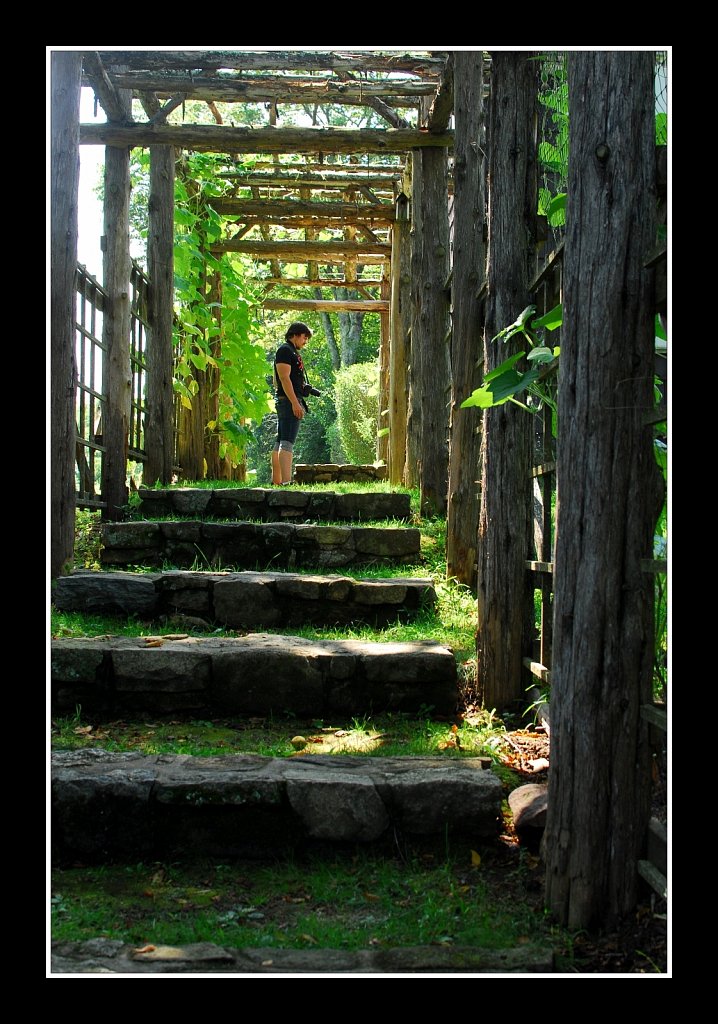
pixel 505 382
pixel 213 333
pixel 357 404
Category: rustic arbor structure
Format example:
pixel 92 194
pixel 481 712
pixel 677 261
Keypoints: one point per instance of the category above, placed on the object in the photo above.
pixel 400 214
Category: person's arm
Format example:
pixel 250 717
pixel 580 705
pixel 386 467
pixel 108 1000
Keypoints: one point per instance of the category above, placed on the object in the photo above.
pixel 284 370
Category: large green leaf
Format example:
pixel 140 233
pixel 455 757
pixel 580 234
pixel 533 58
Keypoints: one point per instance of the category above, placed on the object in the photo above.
pixel 550 320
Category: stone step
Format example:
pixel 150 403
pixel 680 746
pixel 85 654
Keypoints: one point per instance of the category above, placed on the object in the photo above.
pixel 258 546
pixel 325 473
pixel 245 600
pixel 156 807
pixel 272 504
pixel 258 674
pixel 112 956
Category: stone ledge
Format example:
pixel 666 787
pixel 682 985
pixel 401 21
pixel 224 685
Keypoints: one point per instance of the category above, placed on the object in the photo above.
pixel 137 806
pixel 331 472
pixel 247 545
pixel 258 674
pixel 111 956
pixel 245 600
pixel 271 503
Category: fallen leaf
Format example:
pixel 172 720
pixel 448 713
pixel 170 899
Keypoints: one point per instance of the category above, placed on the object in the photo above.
pixel 267 963
pixel 176 636
pixel 475 859
pixel 82 730
pixel 371 896
pixel 145 949
pixel 154 643
pixel 309 938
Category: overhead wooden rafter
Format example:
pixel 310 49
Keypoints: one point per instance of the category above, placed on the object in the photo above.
pixel 281 189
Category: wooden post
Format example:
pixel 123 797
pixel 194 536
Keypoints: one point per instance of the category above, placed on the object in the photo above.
pixel 382 441
pixel 413 399
pixel 506 444
pixel 159 416
pixel 66 71
pixel 610 493
pixel 467 341
pixel 116 371
pixel 430 329
pixel 397 354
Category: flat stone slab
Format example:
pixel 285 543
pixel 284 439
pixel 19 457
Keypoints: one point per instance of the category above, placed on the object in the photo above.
pixel 331 472
pixel 111 956
pixel 257 674
pixel 245 600
pixel 131 805
pixel 197 544
pixel 270 504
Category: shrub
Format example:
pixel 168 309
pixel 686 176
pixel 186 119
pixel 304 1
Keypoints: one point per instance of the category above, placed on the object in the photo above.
pixel 356 393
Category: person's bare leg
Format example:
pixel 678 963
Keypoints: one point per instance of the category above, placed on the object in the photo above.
pixel 276 469
pixel 285 463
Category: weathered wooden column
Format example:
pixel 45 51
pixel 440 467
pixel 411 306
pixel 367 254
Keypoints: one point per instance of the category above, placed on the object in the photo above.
pixel 116 370
pixel 467 329
pixel 160 403
pixel 382 441
pixel 398 386
pixel 507 438
pixel 430 328
pixel 610 494
pixel 66 71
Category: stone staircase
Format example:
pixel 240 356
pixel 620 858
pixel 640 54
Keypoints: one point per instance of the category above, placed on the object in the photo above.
pixel 129 807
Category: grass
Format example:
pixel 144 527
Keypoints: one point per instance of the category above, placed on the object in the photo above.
pixel 387 735
pixel 349 901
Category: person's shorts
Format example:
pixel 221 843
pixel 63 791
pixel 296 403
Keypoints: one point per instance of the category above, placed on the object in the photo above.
pixel 287 422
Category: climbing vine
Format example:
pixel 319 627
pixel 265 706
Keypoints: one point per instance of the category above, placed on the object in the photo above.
pixel 215 313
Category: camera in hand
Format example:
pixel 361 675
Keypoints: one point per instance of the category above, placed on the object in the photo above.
pixel 309 390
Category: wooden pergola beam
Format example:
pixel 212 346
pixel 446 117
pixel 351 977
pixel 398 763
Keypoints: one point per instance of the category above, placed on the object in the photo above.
pixel 224 139
pixel 323 282
pixel 298 252
pixel 314 181
pixel 292 90
pixel 272 61
pixel 104 89
pixel 330 305
pixel 291 208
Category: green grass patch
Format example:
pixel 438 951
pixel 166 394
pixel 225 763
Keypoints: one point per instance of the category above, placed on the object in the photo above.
pixel 387 735
pixel 353 901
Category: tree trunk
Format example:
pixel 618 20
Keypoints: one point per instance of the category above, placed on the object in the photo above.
pixel 160 415
pixel 212 382
pixel 382 440
pixel 466 345
pixel 66 71
pixel 431 375
pixel 506 444
pixel 397 358
pixel 328 327
pixel 610 494
pixel 117 372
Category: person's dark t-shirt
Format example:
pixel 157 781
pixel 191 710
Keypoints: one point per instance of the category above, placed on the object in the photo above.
pixel 287 353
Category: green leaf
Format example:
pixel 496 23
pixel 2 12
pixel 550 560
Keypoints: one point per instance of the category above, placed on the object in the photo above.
pixel 199 360
pixel 503 367
pixel 659 329
pixel 556 213
pixel 540 354
pixel 518 326
pixel 550 320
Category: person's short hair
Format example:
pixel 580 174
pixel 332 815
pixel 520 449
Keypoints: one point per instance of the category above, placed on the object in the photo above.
pixel 297 328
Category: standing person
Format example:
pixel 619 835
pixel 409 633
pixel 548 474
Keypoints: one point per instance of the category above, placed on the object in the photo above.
pixel 289 387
